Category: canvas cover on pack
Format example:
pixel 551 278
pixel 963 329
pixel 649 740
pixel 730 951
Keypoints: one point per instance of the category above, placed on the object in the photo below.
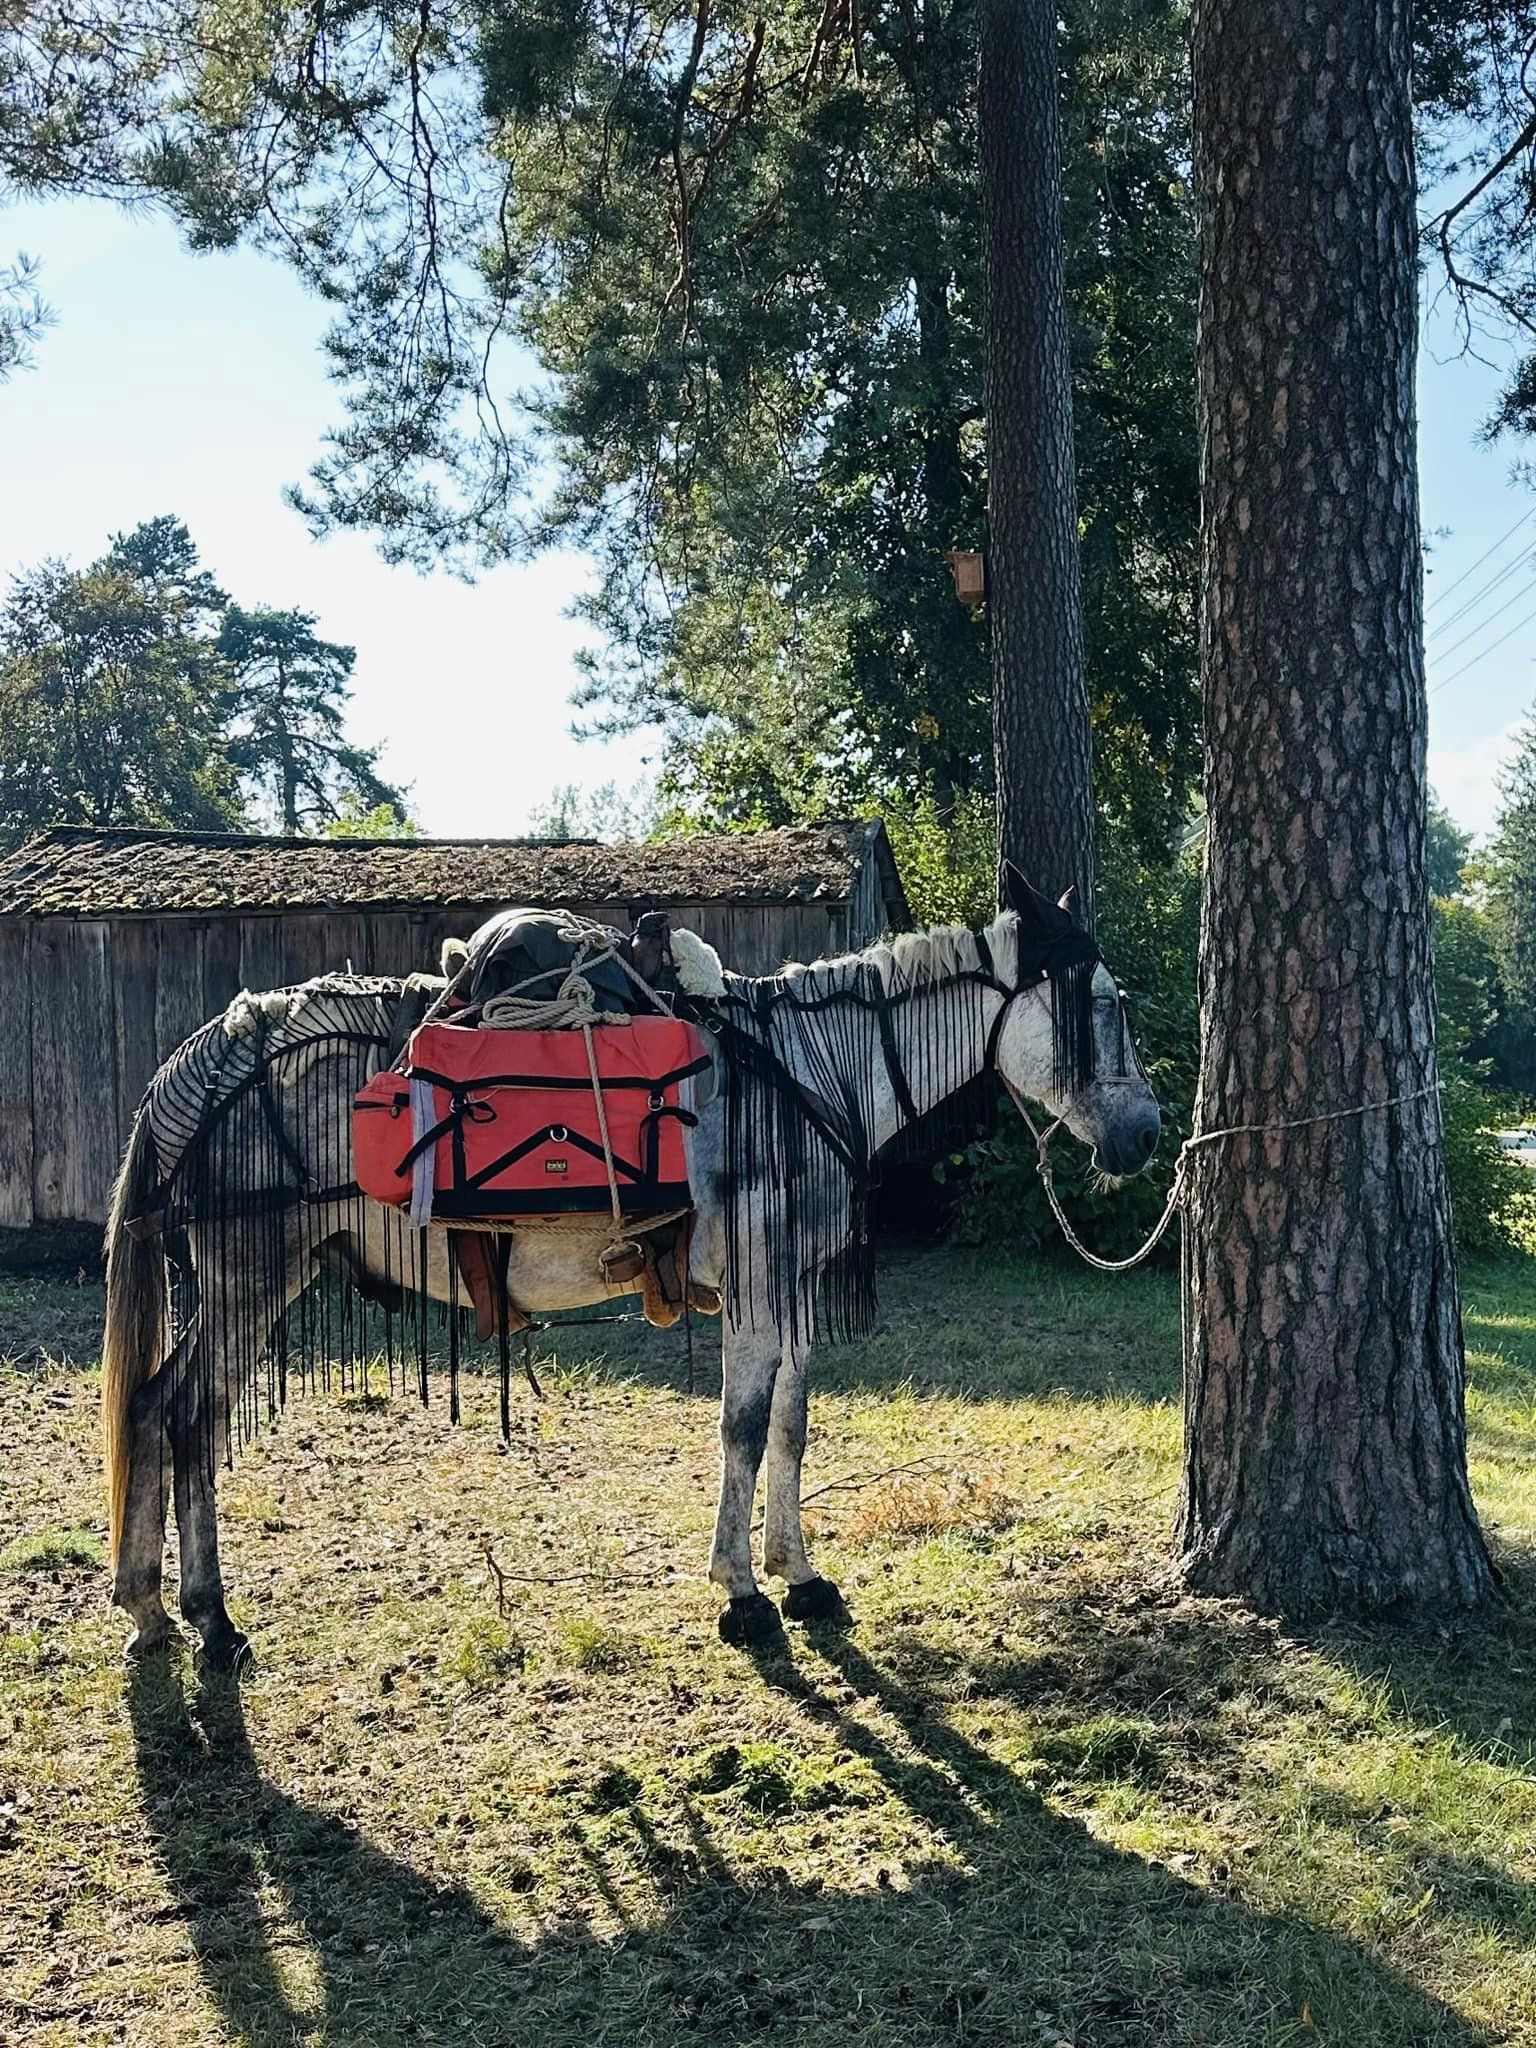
pixel 479 1124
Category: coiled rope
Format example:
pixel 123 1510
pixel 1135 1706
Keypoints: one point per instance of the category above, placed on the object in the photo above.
pixel 573 1006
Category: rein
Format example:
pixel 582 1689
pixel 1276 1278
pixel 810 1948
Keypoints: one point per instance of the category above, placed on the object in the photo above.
pixel 1176 1190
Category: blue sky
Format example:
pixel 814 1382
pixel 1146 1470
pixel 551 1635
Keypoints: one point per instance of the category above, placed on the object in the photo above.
pixel 194 385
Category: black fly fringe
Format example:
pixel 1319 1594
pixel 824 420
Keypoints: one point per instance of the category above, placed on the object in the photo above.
pixel 1072 1026
pixel 269 1244
pixel 814 1057
pixel 267 1241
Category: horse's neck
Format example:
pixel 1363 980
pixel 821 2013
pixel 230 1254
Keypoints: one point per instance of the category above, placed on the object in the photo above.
pixel 938 1035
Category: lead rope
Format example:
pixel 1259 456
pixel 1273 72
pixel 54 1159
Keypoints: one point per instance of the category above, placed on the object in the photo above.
pixel 1176 1190
pixel 602 1127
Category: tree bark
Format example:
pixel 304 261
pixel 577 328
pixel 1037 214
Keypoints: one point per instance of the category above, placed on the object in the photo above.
pixel 1041 736
pixel 1325 1462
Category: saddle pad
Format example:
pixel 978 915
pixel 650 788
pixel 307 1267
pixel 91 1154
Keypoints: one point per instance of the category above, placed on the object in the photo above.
pixel 508 1125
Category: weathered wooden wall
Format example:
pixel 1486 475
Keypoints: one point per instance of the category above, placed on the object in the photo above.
pixel 89 1009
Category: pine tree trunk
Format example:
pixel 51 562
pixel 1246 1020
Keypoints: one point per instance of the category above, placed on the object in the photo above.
pixel 1041 738
pixel 1325 1462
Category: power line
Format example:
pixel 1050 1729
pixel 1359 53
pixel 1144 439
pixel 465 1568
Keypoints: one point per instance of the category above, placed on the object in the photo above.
pixel 1499 576
pixel 1483 624
pixel 1514 629
pixel 1441 595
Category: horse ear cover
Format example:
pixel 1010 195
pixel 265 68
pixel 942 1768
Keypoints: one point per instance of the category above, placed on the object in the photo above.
pixel 1030 907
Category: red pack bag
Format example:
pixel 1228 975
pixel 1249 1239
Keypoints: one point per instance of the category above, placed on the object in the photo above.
pixel 505 1123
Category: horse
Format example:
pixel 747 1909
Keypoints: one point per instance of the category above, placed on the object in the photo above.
pixel 242 1149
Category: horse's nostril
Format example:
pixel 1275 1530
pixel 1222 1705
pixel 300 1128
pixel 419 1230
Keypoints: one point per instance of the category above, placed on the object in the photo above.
pixel 1146 1140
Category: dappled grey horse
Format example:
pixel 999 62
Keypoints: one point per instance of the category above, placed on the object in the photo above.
pixel 237 1193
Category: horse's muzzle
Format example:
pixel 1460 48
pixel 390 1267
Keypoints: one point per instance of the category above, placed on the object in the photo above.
pixel 1128 1150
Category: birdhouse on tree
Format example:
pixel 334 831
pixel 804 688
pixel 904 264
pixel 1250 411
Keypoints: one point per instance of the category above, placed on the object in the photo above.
pixel 968 566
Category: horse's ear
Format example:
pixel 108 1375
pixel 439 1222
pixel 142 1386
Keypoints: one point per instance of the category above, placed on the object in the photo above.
pixel 1029 906
pixel 1067 901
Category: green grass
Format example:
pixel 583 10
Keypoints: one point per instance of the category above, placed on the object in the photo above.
pixel 495 1781
pixel 52 1550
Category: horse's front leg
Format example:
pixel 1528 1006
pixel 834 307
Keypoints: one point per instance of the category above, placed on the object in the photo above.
pixel 750 1360
pixel 809 1597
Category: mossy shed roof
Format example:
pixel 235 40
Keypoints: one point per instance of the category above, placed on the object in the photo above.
pixel 76 871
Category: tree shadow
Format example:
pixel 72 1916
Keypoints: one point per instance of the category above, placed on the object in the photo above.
pixel 1472 1678
pixel 1014 1925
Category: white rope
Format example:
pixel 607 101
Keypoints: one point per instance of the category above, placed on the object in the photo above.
pixel 1176 1190
pixel 573 1006
pixel 1297 1123
pixel 602 1127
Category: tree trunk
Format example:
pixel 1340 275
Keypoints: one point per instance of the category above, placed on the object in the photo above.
pixel 1041 739
pixel 1325 1463
pixel 285 747
pixel 949 644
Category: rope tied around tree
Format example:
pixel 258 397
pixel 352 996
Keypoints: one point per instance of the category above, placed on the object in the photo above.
pixel 1176 1191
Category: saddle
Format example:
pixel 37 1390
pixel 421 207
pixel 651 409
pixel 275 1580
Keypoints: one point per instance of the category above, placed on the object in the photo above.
pixel 490 1124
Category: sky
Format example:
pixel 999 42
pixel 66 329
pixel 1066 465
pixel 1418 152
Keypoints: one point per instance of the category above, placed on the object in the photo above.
pixel 194 385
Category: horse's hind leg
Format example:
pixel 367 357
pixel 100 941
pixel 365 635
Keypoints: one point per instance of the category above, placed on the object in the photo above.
pixel 197 1528
pixel 136 1585
pixel 809 1597
pixel 238 1322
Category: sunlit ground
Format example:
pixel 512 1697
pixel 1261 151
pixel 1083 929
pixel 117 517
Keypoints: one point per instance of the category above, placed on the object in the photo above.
pixel 1036 1796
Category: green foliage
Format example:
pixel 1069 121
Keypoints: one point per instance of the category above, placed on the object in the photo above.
pixel 111 691
pixel 1488 1187
pixel 606 812
pixel 1510 871
pixel 51 1550
pixel 1469 992
pixel 947 861
pixel 772 459
pixel 744 250
pixel 1446 850
pixel 287 696
pixel 356 819
pixel 487 1653
pixel 23 316
pixel 132 692
pixel 590 1645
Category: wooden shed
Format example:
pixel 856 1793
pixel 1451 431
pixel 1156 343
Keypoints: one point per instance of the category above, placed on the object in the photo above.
pixel 115 945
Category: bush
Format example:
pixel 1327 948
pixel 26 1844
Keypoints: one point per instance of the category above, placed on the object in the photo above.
pixel 1492 1206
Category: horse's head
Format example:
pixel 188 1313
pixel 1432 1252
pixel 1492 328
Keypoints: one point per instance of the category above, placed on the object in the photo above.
pixel 1065 1040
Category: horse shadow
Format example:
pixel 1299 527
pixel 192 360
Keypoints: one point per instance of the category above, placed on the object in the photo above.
pixel 241 1857
pixel 1020 1927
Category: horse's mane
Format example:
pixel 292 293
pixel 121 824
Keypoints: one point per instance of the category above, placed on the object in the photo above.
pixel 910 960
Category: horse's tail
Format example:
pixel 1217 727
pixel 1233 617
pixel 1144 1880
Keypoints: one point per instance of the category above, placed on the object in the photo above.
pixel 136 1314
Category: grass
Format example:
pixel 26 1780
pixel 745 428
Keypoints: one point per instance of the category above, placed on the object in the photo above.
pixel 1037 1796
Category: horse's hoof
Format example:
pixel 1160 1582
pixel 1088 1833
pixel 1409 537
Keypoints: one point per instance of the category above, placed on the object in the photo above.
pixel 817 1600
pixel 228 1651
pixel 749 1622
